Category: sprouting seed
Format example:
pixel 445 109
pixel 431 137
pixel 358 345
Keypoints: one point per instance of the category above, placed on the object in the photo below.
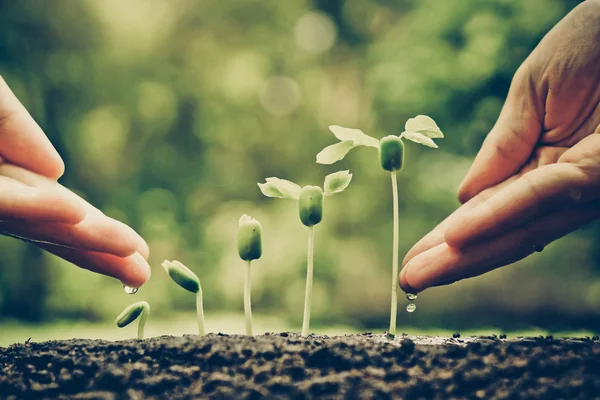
pixel 310 210
pixel 421 129
pixel 131 313
pixel 249 249
pixel 185 278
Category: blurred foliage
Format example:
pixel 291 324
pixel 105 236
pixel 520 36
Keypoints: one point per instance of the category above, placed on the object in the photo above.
pixel 167 113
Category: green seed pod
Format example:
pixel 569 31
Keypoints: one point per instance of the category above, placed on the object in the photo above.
pixel 131 313
pixel 391 153
pixel 249 238
pixel 311 205
pixel 182 275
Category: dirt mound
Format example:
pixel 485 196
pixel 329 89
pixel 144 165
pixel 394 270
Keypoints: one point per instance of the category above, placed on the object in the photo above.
pixel 289 366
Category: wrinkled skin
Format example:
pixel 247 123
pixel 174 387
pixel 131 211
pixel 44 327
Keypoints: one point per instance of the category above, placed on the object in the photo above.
pixel 34 206
pixel 537 175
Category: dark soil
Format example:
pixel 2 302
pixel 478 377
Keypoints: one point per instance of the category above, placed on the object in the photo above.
pixel 287 366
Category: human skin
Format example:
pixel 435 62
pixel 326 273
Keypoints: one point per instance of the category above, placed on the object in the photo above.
pixel 34 206
pixel 537 175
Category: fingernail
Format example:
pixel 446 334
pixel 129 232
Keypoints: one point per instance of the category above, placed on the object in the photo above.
pixel 137 271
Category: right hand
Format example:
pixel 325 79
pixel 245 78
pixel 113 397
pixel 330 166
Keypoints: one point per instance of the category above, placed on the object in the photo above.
pixel 537 175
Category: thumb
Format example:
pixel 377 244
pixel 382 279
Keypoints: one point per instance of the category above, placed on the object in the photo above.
pixel 512 139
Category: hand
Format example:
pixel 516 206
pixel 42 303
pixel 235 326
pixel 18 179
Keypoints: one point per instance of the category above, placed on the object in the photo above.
pixel 537 175
pixel 34 207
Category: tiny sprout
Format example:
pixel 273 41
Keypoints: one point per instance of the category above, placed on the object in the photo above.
pixel 130 314
pixel 310 209
pixel 421 129
pixel 249 249
pixel 185 278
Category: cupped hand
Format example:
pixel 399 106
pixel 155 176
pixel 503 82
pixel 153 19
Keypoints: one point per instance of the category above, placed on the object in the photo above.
pixel 36 208
pixel 537 175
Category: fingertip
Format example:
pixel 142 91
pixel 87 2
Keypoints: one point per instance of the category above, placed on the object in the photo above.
pixel 464 192
pixel 454 236
pixel 136 272
pixel 56 168
pixel 144 249
pixel 403 282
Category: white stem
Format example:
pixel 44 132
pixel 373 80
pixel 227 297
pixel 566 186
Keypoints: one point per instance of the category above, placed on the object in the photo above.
pixel 200 312
pixel 247 304
pixel 142 323
pixel 309 280
pixel 394 307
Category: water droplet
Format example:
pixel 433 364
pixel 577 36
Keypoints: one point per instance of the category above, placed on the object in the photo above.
pixel 130 290
pixel 411 307
pixel 411 297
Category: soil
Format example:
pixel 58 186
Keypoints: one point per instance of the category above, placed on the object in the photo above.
pixel 285 365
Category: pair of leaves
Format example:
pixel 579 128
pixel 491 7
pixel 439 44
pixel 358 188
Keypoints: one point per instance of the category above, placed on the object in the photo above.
pixel 284 189
pixel 349 139
pixel 421 129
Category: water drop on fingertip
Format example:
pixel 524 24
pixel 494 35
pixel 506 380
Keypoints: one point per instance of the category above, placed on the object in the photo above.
pixel 130 289
pixel 411 296
pixel 411 307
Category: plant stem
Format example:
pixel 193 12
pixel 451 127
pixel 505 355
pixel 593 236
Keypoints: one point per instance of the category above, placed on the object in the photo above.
pixel 142 323
pixel 200 312
pixel 309 280
pixel 394 307
pixel 247 306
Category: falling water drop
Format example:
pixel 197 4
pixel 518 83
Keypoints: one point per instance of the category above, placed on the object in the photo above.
pixel 411 297
pixel 130 290
pixel 411 307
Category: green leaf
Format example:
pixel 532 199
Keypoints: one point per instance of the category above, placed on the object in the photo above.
pixel 419 138
pixel 424 125
pixel 182 275
pixel 335 152
pixel 355 135
pixel 270 190
pixel 337 182
pixel 130 314
pixel 288 189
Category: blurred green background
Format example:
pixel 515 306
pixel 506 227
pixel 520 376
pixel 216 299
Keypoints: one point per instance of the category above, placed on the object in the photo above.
pixel 168 112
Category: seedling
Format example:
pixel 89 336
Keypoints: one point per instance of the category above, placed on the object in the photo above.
pixel 190 282
pixel 249 249
pixel 420 129
pixel 310 210
pixel 130 314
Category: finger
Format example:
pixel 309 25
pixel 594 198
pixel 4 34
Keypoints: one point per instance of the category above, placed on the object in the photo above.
pixel 443 264
pixel 22 202
pixel 95 233
pixel 537 192
pixel 132 271
pixel 22 141
pixel 512 139
pixel 97 229
pixel 437 235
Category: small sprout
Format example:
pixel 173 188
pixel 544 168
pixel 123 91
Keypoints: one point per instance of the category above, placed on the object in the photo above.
pixel 421 129
pixel 249 238
pixel 391 153
pixel 310 204
pixel 185 278
pixel 131 313
pixel 249 249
